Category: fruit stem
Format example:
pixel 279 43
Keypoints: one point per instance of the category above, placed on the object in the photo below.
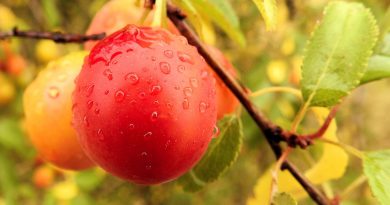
pixel 160 16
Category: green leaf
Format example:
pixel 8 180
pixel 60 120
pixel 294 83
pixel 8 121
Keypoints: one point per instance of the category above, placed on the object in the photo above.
pixel 221 154
pixel 221 13
pixel 378 68
pixel 336 56
pixel 283 199
pixel 377 169
pixel 8 184
pixel 268 10
pixel 385 45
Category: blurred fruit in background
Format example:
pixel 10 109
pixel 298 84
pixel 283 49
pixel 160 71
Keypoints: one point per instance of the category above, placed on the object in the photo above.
pixel 47 50
pixel 7 90
pixel 47 105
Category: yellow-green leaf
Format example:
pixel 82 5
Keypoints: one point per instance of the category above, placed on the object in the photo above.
pixel 268 10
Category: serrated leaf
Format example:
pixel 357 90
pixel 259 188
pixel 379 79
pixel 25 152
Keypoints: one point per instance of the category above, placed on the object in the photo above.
pixel 283 199
pixel 337 54
pixel 220 155
pixel 378 68
pixel 326 168
pixel 268 10
pixel 377 169
pixel 221 13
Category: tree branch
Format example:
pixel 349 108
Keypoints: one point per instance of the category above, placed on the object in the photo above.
pixel 272 133
pixel 57 37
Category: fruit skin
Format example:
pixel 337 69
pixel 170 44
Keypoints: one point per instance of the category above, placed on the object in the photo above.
pixel 226 101
pixel 145 105
pixel 116 14
pixel 47 104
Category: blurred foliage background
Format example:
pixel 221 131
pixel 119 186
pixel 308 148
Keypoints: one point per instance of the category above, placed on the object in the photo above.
pixel 269 59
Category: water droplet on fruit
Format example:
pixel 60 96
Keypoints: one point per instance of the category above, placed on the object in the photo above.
pixel 100 134
pixel 89 104
pixel 156 103
pixel 131 126
pixel 194 82
pixel 168 53
pixel 204 74
pixel 177 87
pixel 142 95
pixel 116 54
pixel 85 120
pixel 129 50
pixel 97 110
pixel 106 92
pixel 185 57
pixel 186 104
pixel 155 89
pixel 169 106
pixel 187 91
pixel 90 90
pixel 108 74
pixel 154 116
pixel 167 144
pixel 216 132
pixel 202 107
pixel 154 58
pixel 132 78
pixel 165 67
pixel 144 154
pixel 181 68
pixel 119 96
pixel 148 134
pixel 53 92
pixel 148 167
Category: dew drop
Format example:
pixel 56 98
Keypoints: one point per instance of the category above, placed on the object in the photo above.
pixel 204 74
pixel 185 57
pixel 108 74
pixel 181 68
pixel 156 103
pixel 169 106
pixel 106 92
pixel 155 89
pixel 187 91
pixel 100 134
pixel 119 96
pixel 202 107
pixel 186 104
pixel 194 82
pixel 148 134
pixel 167 144
pixel 168 53
pixel 177 87
pixel 97 111
pixel 90 90
pixel 131 126
pixel 53 92
pixel 216 132
pixel 154 58
pixel 144 154
pixel 165 67
pixel 142 95
pixel 148 167
pixel 89 104
pixel 85 120
pixel 132 78
pixel 154 116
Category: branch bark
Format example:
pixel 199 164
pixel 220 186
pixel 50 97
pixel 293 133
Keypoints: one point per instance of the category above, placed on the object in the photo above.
pixel 57 37
pixel 272 132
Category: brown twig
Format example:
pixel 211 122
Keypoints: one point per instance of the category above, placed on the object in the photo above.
pixel 272 133
pixel 321 131
pixel 57 37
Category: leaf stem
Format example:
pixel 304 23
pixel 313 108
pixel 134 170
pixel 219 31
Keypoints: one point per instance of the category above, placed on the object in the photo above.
pixel 354 185
pixel 355 152
pixel 299 117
